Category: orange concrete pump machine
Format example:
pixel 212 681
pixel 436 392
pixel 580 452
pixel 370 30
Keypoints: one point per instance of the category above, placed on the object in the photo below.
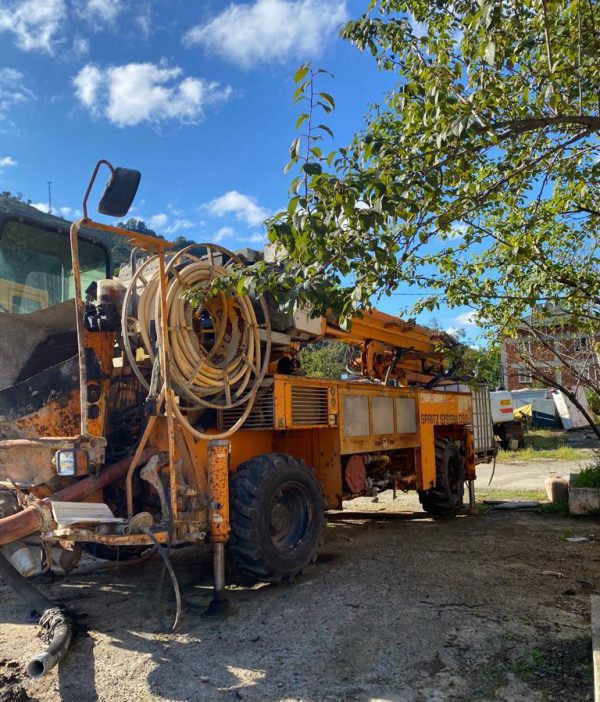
pixel 132 418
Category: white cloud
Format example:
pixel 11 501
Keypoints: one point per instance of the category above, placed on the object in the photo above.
pixel 99 11
pixel 81 46
pixel 458 230
pixel 6 162
pixel 35 24
pixel 12 92
pixel 466 319
pixel 223 233
pixel 145 92
pixel 419 29
pixel 178 225
pixel 163 224
pixel 267 30
pixel 243 207
pixel 65 212
pixel 144 23
pixel 158 221
pixel 11 87
pixel 257 238
pixel 87 85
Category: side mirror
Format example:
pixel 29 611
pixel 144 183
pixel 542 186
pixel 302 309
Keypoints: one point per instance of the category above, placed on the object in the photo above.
pixel 119 192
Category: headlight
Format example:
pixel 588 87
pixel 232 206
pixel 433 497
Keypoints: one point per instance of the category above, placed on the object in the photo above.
pixel 71 462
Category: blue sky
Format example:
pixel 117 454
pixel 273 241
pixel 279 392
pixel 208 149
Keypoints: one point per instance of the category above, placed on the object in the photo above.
pixel 196 95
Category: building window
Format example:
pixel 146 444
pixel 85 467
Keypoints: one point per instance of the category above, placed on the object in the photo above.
pixel 581 343
pixel 524 376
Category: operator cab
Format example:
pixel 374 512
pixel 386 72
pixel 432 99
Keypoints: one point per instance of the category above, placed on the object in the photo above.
pixel 37 289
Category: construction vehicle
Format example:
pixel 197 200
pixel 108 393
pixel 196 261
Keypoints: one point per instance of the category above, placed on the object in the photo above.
pixel 150 410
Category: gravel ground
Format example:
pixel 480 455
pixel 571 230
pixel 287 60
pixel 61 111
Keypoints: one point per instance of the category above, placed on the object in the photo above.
pixel 489 607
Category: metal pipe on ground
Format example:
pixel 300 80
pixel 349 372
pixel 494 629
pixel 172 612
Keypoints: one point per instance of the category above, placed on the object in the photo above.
pixel 56 624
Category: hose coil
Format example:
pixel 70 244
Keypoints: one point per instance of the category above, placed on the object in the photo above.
pixel 218 350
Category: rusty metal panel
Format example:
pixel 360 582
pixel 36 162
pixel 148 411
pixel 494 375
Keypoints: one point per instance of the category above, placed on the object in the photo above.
pixel 406 415
pixel 445 408
pixel 382 415
pixel 377 442
pixel 300 403
pixel 99 348
pixel 356 415
pixel 320 449
pixel 426 474
pixel 280 405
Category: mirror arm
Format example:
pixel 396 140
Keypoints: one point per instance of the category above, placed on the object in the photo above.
pixel 91 183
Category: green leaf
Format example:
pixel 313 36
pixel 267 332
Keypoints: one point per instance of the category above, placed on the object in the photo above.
pixel 295 148
pixel 328 99
pixel 325 128
pixel 301 118
pixel 301 72
pixel 299 92
pixel 241 285
pixel 312 168
pixel 490 53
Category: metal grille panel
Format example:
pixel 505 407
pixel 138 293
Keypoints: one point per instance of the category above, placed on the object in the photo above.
pixel 309 406
pixel 261 415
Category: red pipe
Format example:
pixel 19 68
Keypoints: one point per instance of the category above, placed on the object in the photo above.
pixel 83 488
pixel 21 524
pixel 31 519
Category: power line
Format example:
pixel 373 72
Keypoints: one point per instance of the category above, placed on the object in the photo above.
pixel 483 296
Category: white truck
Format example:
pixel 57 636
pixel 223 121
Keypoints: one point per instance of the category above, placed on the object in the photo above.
pixel 507 428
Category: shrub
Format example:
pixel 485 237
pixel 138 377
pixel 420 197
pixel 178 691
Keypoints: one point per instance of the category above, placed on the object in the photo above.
pixel 590 474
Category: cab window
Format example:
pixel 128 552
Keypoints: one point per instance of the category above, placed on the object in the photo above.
pixel 36 270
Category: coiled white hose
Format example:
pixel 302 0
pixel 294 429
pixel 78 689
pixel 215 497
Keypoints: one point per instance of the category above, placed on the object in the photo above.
pixel 218 351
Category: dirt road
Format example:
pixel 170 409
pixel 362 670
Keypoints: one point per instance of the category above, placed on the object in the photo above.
pixel 526 475
pixel 494 607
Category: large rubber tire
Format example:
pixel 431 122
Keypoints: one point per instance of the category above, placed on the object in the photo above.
pixel 277 517
pixel 446 498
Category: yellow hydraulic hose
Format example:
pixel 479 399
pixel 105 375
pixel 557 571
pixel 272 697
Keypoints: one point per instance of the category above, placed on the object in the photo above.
pixel 222 371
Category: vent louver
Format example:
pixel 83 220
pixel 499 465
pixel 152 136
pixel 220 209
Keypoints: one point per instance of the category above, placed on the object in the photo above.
pixel 309 406
pixel 260 417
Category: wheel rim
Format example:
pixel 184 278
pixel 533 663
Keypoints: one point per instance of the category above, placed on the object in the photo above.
pixel 290 516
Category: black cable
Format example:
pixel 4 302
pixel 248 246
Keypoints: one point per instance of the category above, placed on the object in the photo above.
pixel 493 470
pixel 164 554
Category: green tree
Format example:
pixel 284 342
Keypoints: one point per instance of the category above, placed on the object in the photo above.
pixel 121 248
pixel 473 363
pixel 324 359
pixel 475 177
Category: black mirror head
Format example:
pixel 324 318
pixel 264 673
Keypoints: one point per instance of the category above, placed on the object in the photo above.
pixel 119 192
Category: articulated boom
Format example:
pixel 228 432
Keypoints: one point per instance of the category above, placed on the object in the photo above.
pixel 392 349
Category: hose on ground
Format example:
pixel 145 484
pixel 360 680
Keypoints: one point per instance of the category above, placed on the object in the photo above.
pixel 56 624
pixel 493 469
pixel 163 552
pixel 219 347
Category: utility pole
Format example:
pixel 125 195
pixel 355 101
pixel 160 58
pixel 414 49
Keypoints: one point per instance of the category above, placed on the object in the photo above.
pixel 49 196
